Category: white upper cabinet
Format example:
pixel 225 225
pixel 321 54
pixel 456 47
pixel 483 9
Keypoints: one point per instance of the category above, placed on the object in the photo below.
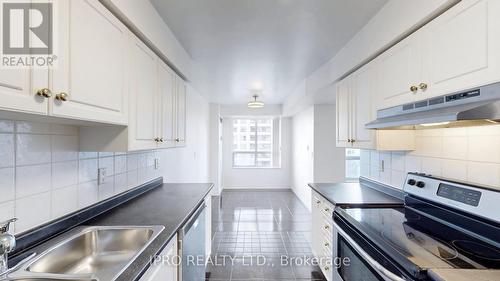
pixel 89 82
pixel 181 112
pixel 167 103
pixel 343 113
pixel 461 48
pixel 144 102
pixel 355 108
pixel 400 70
pixel 16 92
pixel 456 51
pixel 363 110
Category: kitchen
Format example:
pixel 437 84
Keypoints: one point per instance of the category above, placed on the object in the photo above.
pixel 250 140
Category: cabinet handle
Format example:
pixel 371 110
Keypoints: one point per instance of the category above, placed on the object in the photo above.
pixel 423 86
pixel 327 268
pixel 327 210
pixel 327 226
pixel 161 139
pixel 156 139
pixel 177 140
pixel 318 202
pixel 349 140
pixel 62 96
pixel 327 244
pixel 353 141
pixel 46 93
pixel 414 89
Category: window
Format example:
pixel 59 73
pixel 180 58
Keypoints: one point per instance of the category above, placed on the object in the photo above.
pixel 352 165
pixel 256 142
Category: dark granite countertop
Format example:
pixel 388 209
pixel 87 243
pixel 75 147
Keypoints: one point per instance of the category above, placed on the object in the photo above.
pixel 169 205
pixel 358 194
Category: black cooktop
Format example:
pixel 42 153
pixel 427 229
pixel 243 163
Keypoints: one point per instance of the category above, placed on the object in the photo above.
pixel 420 240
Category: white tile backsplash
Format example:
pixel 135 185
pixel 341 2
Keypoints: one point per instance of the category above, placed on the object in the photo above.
pixel 32 149
pixel 43 175
pixel 467 154
pixel 7 184
pixel 7 150
pixel 31 180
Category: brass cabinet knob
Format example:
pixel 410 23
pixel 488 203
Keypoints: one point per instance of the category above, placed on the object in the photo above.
pixel 327 226
pixel 46 93
pixel 318 202
pixel 62 96
pixel 327 210
pixel 349 140
pixel 156 139
pixel 327 244
pixel 414 89
pixel 423 86
pixel 327 268
pixel 177 140
pixel 161 139
pixel 353 140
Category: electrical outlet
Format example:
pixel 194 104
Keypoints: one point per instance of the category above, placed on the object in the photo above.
pixel 157 163
pixel 101 176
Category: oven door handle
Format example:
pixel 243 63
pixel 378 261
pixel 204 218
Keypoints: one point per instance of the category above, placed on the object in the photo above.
pixel 386 274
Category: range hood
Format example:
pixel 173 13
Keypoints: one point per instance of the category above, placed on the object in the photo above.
pixel 480 106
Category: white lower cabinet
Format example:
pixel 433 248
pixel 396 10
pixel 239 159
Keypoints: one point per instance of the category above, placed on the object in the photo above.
pixel 322 235
pixel 165 267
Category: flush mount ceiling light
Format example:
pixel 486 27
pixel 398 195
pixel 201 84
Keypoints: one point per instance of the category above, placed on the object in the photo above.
pixel 255 103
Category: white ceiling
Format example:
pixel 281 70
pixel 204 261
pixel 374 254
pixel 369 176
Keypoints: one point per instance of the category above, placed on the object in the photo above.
pixel 276 43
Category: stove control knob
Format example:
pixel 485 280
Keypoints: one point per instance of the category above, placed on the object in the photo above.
pixel 420 184
pixel 411 182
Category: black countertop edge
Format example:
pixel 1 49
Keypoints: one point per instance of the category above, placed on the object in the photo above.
pixel 387 189
pixel 375 194
pixel 177 228
pixel 45 232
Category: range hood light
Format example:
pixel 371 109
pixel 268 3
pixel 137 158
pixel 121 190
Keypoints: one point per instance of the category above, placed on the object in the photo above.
pixel 255 103
pixel 435 124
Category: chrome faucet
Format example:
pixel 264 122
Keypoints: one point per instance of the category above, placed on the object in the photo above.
pixel 7 244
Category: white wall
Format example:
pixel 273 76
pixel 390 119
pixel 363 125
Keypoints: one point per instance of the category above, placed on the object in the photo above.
pixel 303 154
pixel 190 163
pixel 215 148
pixel 390 24
pixel 329 160
pixel 261 177
pixel 464 154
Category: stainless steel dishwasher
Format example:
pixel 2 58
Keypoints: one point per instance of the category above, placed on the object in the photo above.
pixel 192 247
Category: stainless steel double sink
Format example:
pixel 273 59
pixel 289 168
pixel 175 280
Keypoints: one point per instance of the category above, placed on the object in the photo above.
pixel 87 254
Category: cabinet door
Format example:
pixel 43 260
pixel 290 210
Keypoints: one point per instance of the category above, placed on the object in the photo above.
pixel 362 95
pixel 92 64
pixel 167 104
pixel 181 111
pixel 165 269
pixel 399 69
pixel 143 97
pixel 460 48
pixel 343 113
pixel 16 93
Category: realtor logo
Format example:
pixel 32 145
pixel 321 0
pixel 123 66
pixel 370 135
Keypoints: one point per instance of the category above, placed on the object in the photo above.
pixel 27 34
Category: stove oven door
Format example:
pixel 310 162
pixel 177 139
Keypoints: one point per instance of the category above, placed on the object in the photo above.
pixel 355 260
